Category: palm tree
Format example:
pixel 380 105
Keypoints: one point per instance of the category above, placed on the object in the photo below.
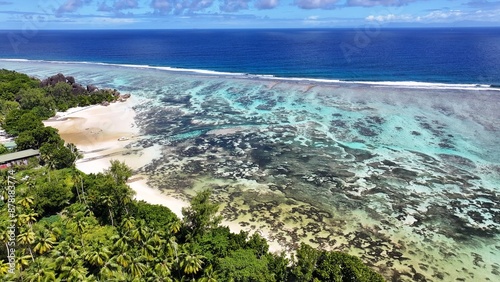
pixel 172 248
pixel 128 224
pixel 68 263
pixel 108 201
pixel 42 271
pixel 137 266
pixel 141 231
pixel 153 244
pixel 98 256
pixel 44 241
pixel 80 224
pixel 148 249
pixel 157 236
pixel 126 200
pixel 26 238
pixel 4 268
pixel 209 275
pixel 121 243
pixel 28 218
pixel 26 202
pixel 73 270
pixel 74 150
pixel 62 254
pixel 54 230
pixel 22 260
pixel 115 275
pixel 42 275
pixel 175 226
pixel 163 267
pixel 123 259
pixel 109 269
pixel 191 263
pixel 78 180
pixel 152 275
pixel 51 162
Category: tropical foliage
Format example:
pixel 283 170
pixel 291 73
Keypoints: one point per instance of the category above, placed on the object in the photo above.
pixel 70 226
pixel 24 103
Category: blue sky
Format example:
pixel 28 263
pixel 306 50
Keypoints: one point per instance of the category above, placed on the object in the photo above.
pixel 152 14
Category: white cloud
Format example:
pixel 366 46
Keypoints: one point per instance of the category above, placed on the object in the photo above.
pixel 125 4
pixel 109 20
pixel 180 6
pixel 230 6
pixel 444 16
pixel 440 15
pixel 371 3
pixel 72 5
pixel 390 18
pixel 266 4
pixel 162 6
pixel 316 4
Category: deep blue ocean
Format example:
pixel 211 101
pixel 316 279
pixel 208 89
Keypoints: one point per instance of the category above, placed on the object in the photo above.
pixel 457 55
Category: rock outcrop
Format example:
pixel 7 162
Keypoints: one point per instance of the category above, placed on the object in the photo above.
pixel 53 80
pixel 70 80
pixel 76 87
pixel 92 88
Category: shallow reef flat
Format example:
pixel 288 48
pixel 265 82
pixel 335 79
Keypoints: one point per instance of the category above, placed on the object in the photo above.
pixel 406 178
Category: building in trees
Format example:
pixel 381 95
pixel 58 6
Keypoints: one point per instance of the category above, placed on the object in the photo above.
pixel 17 158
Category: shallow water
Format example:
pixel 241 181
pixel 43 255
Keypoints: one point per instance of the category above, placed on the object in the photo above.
pixel 406 178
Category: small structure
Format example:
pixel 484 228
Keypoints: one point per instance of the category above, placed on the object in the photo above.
pixel 11 145
pixel 17 158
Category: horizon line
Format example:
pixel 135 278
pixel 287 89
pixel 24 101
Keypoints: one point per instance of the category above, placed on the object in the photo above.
pixel 267 28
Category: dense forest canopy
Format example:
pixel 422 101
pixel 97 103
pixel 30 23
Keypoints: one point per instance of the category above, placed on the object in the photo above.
pixel 59 224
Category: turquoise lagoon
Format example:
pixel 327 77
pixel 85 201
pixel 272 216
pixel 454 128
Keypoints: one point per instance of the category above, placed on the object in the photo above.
pixel 405 175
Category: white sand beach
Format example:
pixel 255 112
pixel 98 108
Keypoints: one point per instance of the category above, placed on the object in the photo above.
pixel 96 131
pixel 105 133
pixel 144 192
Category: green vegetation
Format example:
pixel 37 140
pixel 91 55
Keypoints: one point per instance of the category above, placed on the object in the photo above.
pixel 12 82
pixel 24 103
pixel 70 226
pixel 3 149
pixel 71 229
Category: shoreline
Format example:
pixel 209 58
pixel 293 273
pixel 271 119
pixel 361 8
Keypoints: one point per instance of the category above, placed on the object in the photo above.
pixel 144 192
pixel 102 133
pixel 96 135
pixel 91 130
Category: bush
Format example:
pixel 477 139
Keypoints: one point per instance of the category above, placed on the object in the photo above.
pixel 11 82
pixel 157 216
pixel 57 156
pixel 51 196
pixel 243 265
pixel 315 265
